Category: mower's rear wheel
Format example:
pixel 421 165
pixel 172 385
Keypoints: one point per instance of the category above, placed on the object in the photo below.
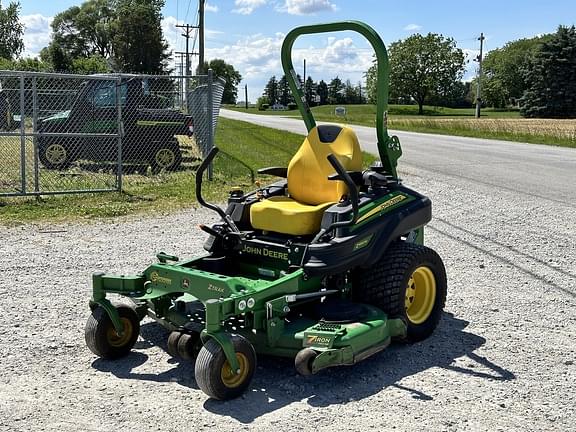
pixel 409 282
pixel 102 338
pixel 214 375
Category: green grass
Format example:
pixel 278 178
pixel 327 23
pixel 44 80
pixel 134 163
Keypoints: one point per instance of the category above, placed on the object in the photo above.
pixel 255 146
pixel 365 114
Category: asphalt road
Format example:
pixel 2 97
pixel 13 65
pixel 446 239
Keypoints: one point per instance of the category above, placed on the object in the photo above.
pixel 537 171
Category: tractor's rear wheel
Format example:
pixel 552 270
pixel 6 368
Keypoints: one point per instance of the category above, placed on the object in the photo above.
pixel 214 374
pixel 166 157
pixel 55 156
pixel 102 338
pixel 409 282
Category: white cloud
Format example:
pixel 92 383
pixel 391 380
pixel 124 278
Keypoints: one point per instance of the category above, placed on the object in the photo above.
pixel 307 7
pixel 210 7
pixel 413 27
pixel 36 33
pixel 257 58
pixel 246 7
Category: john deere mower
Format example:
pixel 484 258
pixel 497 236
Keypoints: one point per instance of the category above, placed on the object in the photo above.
pixel 326 265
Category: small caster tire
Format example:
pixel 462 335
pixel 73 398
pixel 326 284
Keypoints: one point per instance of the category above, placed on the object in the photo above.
pixel 214 375
pixel 172 343
pixel 189 345
pixel 102 338
pixel 303 361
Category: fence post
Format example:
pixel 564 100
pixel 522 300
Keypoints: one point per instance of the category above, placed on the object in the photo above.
pixel 34 130
pixel 210 114
pixel 22 135
pixel 119 131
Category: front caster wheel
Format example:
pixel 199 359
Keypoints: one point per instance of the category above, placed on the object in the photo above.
pixel 214 375
pixel 102 338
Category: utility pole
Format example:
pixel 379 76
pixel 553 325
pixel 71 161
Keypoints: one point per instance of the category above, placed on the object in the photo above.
pixel 186 34
pixel 479 88
pixel 246 94
pixel 201 34
pixel 304 86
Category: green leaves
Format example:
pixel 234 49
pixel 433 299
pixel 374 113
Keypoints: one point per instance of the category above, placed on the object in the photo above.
pixel 11 31
pixel 551 78
pixel 421 67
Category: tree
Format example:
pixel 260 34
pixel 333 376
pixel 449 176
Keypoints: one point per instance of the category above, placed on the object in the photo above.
pixel 310 90
pixel 126 33
pixel 229 74
pixel 137 40
pixel 504 82
pixel 271 90
pixel 323 92
pixel 551 78
pixel 421 67
pixel 336 90
pixel 85 30
pixel 11 31
pixel 284 93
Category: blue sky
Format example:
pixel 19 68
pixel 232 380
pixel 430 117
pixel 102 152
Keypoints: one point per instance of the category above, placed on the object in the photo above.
pixel 249 33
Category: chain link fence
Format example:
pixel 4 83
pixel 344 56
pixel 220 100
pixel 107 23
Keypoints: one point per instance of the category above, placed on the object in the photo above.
pixel 64 133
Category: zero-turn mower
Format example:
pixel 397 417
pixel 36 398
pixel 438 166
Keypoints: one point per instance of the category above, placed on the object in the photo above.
pixel 327 265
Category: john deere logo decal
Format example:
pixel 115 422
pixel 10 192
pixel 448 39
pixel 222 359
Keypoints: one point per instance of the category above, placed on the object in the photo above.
pixel 185 283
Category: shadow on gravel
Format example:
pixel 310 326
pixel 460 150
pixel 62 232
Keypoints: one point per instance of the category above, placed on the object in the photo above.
pixel 153 335
pixel 276 383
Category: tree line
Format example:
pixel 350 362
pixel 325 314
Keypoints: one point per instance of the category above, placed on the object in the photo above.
pixel 536 75
pixel 336 91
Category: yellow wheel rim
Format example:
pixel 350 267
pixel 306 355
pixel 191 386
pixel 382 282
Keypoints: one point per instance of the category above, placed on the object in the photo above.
pixel 165 158
pixel 420 295
pixel 114 339
pixel 55 154
pixel 232 379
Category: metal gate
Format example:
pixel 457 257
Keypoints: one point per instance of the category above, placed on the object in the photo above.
pixel 62 133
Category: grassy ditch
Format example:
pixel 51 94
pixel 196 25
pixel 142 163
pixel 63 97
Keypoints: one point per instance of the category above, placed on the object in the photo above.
pixel 245 148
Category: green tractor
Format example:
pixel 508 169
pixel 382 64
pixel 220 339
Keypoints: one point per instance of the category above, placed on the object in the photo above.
pixel 326 266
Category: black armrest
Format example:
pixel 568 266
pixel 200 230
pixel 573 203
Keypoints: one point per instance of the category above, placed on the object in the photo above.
pixel 275 171
pixel 356 176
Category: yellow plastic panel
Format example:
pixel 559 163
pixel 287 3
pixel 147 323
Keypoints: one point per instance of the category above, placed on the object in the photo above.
pixel 286 216
pixel 309 169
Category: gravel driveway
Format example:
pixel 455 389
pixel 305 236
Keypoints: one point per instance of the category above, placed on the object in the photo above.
pixel 503 357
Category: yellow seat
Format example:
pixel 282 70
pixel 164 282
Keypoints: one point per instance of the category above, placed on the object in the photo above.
pixel 310 192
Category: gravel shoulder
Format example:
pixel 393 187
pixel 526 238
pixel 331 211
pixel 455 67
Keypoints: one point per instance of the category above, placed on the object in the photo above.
pixel 503 357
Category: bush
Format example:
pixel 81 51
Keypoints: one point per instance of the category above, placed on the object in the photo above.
pixel 292 106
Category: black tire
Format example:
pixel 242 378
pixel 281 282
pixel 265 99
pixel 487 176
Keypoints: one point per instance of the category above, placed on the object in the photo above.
pixel 212 368
pixel 165 156
pixel 189 345
pixel 303 361
pixel 55 156
pixel 390 285
pixel 103 340
pixel 172 343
